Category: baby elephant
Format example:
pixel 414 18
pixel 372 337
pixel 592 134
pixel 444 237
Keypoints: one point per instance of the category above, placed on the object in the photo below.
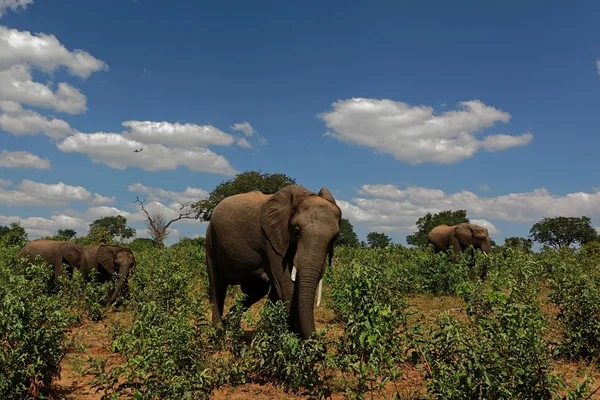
pixel 55 252
pixel 107 260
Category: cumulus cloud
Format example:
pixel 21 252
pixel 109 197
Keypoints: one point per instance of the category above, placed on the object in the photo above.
pixel 190 194
pixel 176 134
pixel 413 134
pixel 13 5
pixel 242 142
pixel 30 193
pixel 19 121
pixel 116 151
pixel 44 51
pixel 16 85
pixel 398 209
pixel 5 182
pixel 22 159
pixel 38 226
pixel 243 127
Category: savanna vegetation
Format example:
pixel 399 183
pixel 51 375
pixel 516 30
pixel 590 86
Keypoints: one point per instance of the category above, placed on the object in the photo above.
pixel 395 322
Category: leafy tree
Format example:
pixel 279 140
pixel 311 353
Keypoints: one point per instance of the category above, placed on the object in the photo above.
pixel 429 221
pixel 115 225
pixel 65 234
pixel 347 235
pixel 13 235
pixel 519 243
pixel 244 182
pixel 560 232
pixel 378 239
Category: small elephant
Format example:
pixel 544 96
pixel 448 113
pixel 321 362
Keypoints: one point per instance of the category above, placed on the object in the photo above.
pixel 55 252
pixel 107 260
pixel 277 242
pixel 460 237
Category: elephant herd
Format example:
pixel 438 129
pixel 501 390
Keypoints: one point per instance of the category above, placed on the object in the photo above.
pixel 274 244
pixel 103 259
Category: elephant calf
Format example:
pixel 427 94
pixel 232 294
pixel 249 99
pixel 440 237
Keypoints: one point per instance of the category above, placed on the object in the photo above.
pixel 55 252
pixel 107 260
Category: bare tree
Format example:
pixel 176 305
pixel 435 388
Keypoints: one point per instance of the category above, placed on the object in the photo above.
pixel 157 224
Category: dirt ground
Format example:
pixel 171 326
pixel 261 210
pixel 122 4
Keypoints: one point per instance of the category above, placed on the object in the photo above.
pixel 91 344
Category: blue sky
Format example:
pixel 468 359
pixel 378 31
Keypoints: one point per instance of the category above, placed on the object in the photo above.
pixel 397 108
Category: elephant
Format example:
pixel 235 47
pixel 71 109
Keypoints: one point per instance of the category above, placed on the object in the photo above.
pixel 107 260
pixel 460 237
pixel 277 242
pixel 55 252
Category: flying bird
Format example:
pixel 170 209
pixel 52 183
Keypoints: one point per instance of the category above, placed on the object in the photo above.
pixel 137 151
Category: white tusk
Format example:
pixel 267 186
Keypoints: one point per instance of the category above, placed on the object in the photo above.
pixel 294 273
pixel 319 291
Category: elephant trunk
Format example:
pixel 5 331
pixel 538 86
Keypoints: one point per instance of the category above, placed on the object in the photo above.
pixel 123 272
pixel 310 271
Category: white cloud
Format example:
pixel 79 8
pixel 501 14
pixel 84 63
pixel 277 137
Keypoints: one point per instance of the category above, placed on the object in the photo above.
pixel 13 5
pixel 38 226
pixel 116 151
pixel 414 134
pixel 242 142
pixel 188 195
pixel 30 193
pixel 19 121
pixel 5 182
pixel 398 209
pixel 176 134
pixel 44 51
pixel 16 85
pixel 243 127
pixel 22 159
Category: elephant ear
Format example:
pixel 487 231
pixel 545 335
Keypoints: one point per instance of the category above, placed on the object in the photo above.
pixel 276 213
pixel 326 194
pixel 464 234
pixel 106 258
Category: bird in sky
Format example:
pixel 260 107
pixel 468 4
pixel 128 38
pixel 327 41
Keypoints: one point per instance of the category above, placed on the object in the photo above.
pixel 137 151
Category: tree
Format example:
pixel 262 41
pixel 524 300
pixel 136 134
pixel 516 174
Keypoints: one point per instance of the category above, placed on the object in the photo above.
pixel 116 226
pixel 157 224
pixel 244 182
pixel 347 235
pixel 65 234
pixel 378 240
pixel 13 235
pixel 561 232
pixel 429 221
pixel 519 243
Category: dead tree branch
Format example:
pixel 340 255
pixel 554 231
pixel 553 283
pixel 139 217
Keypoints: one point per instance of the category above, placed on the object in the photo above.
pixel 157 224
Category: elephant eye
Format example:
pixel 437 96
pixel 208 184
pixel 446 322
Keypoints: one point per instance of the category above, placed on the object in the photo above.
pixel 296 231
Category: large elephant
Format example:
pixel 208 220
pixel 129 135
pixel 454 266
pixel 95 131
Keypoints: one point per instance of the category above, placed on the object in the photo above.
pixel 107 260
pixel 256 240
pixel 460 237
pixel 55 252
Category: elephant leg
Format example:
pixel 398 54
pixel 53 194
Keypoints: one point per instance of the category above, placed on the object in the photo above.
pixel 273 294
pixel 254 291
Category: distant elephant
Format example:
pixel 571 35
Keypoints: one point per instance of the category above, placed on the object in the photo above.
pixel 107 260
pixel 460 237
pixel 279 242
pixel 55 252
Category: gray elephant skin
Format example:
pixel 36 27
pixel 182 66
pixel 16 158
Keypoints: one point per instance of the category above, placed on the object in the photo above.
pixel 55 252
pixel 106 260
pixel 254 240
pixel 460 237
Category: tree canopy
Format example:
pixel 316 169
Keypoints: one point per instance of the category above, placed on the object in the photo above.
pixel 115 226
pixel 519 243
pixel 14 234
pixel 560 232
pixel 378 240
pixel 244 182
pixel 347 235
pixel 426 223
pixel 65 234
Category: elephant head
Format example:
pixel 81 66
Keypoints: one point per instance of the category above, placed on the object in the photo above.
pixel 472 234
pixel 302 227
pixel 116 259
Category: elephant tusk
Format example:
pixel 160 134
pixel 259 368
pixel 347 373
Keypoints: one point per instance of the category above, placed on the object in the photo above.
pixel 319 291
pixel 293 273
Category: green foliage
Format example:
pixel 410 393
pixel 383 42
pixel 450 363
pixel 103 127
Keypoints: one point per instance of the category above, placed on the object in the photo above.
pixel 347 236
pixel 66 234
pixel 244 182
pixel 519 243
pixel 560 232
pixel 115 225
pixel 429 221
pixel 13 235
pixel 378 240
